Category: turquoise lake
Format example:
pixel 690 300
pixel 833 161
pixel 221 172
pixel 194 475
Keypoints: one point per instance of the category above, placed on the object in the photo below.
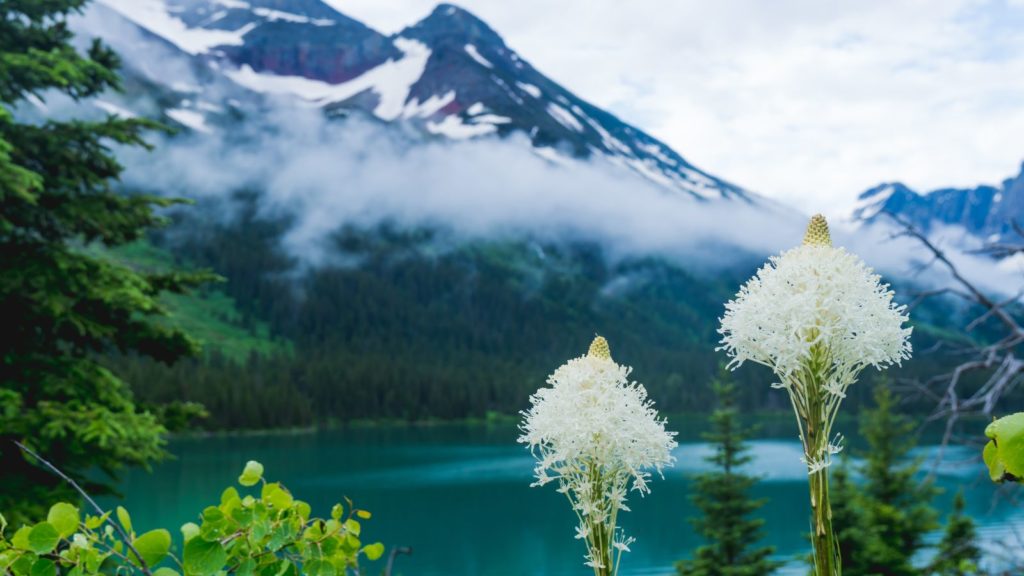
pixel 460 496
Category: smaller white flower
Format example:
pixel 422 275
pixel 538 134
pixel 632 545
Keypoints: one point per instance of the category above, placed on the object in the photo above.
pixel 597 433
pixel 816 465
pixel 623 544
pixel 835 388
pixel 836 445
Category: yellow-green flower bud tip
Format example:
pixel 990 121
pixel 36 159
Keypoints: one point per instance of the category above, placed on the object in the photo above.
pixel 599 349
pixel 817 232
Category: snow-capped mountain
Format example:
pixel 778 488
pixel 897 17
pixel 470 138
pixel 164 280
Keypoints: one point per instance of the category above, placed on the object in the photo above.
pixel 448 76
pixel 987 212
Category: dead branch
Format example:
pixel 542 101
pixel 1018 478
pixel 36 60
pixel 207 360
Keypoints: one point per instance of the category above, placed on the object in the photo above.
pixel 998 360
pixel 124 536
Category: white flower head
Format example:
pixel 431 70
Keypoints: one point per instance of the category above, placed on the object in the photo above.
pixel 816 315
pixel 816 294
pixel 596 432
pixel 592 414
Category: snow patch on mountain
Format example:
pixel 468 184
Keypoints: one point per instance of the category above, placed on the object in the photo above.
pixel 189 118
pixel 552 155
pixel 432 105
pixel 475 55
pixel 453 127
pixel 564 117
pixel 390 82
pixel 274 15
pixel 491 119
pixel 530 89
pixel 153 15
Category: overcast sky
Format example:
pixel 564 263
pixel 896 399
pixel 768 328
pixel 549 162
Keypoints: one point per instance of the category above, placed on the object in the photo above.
pixel 807 101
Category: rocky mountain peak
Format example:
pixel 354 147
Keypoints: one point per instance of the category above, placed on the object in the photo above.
pixel 450 23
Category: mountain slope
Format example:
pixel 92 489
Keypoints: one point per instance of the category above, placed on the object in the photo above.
pixel 987 212
pixel 449 76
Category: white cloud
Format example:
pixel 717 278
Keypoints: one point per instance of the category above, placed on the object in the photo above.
pixel 327 175
pixel 805 101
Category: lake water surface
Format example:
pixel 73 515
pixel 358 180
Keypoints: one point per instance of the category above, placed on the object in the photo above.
pixel 460 496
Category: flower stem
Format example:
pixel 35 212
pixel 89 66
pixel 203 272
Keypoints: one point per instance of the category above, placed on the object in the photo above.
pixel 826 547
pixel 817 418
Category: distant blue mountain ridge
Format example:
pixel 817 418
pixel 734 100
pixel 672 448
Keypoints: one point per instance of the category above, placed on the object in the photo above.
pixel 987 212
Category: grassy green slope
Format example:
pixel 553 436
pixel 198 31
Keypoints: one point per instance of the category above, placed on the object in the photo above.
pixel 210 315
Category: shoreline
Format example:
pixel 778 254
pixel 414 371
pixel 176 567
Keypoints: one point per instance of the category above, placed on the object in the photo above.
pixel 490 420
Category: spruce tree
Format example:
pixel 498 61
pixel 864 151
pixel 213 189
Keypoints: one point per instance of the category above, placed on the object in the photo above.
pixel 900 504
pixel 723 498
pixel 958 553
pixel 850 518
pixel 63 305
pixel 882 524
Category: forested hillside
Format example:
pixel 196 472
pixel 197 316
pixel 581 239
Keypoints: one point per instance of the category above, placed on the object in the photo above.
pixel 415 325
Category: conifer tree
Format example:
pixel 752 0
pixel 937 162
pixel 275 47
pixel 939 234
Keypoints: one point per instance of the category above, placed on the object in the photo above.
pixel 900 505
pixel 850 518
pixel 723 498
pixel 958 552
pixel 882 524
pixel 62 305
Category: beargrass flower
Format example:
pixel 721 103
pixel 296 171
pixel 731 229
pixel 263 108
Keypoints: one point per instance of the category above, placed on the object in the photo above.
pixel 597 435
pixel 817 316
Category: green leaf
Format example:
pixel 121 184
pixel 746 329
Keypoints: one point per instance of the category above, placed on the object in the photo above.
pixel 213 515
pixel 7 558
pixel 252 473
pixel 1004 454
pixel 153 546
pixel 352 525
pixel 44 567
pixel 165 572
pixel 189 530
pixel 246 568
pixel 229 496
pixel 43 538
pixel 277 496
pixel 64 518
pixel 374 551
pixel 990 455
pixel 124 518
pixel 364 514
pixel 318 568
pixel 94 522
pixel 23 565
pixel 20 538
pixel 204 558
pixel 337 511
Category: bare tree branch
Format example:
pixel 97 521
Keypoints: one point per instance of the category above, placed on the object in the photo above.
pixel 997 361
pixel 124 536
pixel 395 551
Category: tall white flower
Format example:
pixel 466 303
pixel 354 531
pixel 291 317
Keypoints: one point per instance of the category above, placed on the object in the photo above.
pixel 816 315
pixel 596 434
